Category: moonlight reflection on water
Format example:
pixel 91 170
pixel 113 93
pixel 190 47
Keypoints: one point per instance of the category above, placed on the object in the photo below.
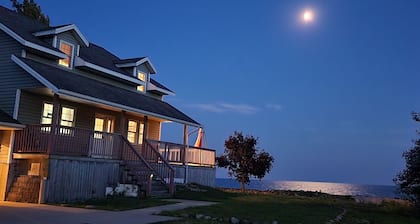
pixel 324 187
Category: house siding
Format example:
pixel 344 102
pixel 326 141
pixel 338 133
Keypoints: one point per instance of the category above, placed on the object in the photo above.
pixel 72 179
pixel 12 77
pixel 153 130
pixel 4 161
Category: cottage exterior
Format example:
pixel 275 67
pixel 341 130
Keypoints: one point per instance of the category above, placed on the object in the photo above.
pixel 75 118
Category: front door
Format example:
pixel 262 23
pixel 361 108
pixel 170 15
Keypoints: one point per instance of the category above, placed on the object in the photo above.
pixel 103 139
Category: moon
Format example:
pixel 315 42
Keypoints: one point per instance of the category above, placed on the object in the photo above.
pixel 308 16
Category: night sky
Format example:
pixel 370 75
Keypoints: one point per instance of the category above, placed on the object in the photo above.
pixel 330 99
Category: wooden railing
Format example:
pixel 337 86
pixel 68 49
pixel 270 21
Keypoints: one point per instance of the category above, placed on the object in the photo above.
pixel 69 141
pixel 182 154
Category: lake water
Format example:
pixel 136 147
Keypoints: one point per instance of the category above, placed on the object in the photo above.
pixel 324 187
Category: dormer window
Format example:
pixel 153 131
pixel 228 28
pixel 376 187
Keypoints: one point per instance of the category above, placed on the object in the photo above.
pixel 142 77
pixel 68 49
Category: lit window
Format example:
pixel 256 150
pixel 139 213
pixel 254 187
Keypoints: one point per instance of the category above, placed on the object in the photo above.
pixel 135 132
pixel 47 114
pixel 142 77
pixel 140 88
pixel 68 50
pixel 67 117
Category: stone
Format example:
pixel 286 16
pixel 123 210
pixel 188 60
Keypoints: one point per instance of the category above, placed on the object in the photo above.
pixel 245 221
pixel 234 220
pixel 275 222
pixel 199 216
pixel 207 217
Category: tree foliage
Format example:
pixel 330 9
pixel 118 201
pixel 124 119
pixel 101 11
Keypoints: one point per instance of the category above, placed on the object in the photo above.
pixel 243 160
pixel 408 180
pixel 31 9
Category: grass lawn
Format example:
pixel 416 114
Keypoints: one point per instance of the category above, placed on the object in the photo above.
pixel 288 207
pixel 119 203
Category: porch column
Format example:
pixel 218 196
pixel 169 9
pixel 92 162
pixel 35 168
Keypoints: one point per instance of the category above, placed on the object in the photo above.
pixel 184 159
pixel 146 126
pixel 55 122
pixel 123 124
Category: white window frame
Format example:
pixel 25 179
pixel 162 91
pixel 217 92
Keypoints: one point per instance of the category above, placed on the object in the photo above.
pixel 62 130
pixel 72 53
pixel 138 135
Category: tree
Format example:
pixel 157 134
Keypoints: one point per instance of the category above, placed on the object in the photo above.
pixel 243 160
pixel 408 180
pixel 31 9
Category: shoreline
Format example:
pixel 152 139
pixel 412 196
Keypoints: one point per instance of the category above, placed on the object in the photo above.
pixel 365 199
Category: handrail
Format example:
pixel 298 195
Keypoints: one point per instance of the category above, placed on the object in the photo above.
pixel 165 171
pixel 182 154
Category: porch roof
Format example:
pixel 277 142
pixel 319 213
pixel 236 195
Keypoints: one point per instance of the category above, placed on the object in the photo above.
pixel 7 122
pixel 66 83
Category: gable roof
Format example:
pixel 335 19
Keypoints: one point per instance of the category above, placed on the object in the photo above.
pixel 62 29
pixel 21 28
pixel 131 62
pixel 28 31
pixel 67 83
pixel 8 122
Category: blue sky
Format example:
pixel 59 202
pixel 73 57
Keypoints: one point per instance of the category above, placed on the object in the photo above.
pixel 330 100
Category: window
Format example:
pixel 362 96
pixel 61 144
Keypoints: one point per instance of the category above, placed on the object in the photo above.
pixel 47 114
pixel 66 48
pixel 103 124
pixel 67 118
pixel 135 132
pixel 142 77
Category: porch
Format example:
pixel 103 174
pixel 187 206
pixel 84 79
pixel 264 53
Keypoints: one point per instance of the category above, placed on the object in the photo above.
pixel 51 148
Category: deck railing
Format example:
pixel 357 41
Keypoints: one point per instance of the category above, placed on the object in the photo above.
pixel 70 141
pixel 182 154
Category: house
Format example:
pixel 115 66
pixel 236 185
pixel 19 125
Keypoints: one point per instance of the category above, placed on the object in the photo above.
pixel 76 119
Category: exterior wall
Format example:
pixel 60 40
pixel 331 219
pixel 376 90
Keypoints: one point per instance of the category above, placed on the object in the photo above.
pixel 73 179
pixel 5 137
pixel 200 175
pixel 153 130
pixel 31 104
pixel 12 77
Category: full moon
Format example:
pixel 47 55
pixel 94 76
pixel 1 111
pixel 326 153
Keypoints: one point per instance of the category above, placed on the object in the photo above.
pixel 308 16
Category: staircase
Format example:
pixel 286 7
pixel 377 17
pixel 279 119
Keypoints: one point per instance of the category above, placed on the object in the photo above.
pixel 139 166
pixel 24 189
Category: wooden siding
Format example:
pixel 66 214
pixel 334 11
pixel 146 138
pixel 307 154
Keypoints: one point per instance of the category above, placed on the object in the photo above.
pixel 68 37
pixel 200 175
pixel 31 108
pixel 153 130
pixel 12 77
pixel 4 161
pixel 72 179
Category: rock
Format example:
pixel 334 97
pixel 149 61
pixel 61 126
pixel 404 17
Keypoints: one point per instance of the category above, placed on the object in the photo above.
pixel 207 217
pixel 245 221
pixel 199 216
pixel 275 222
pixel 234 220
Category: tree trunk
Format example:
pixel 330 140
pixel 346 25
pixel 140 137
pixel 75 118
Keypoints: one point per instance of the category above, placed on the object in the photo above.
pixel 243 184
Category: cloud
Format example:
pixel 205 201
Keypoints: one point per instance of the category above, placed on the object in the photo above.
pixel 277 107
pixel 226 107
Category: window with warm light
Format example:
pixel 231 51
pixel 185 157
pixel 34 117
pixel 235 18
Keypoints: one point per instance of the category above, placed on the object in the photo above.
pixel 142 77
pixel 47 111
pixel 67 118
pixel 67 49
pixel 135 132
